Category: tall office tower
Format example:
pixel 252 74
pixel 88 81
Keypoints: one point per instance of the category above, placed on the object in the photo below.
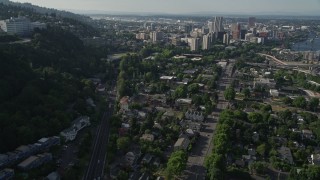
pixel 176 41
pixel 243 33
pixel 210 26
pixel 218 27
pixel 151 27
pixel 194 45
pixel 235 30
pixel 206 41
pixel 157 36
pixel 204 30
pixel 251 21
pixel 220 36
pixel 188 28
pixel 226 39
pixel 145 25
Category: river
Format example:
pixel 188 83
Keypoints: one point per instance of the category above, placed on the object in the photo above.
pixel 311 44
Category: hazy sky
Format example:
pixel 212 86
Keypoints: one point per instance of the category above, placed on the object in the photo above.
pixel 184 6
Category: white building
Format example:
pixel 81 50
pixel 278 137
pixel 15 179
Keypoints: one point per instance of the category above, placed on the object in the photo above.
pixel 194 44
pixel 315 159
pixel 194 116
pixel 226 39
pixel 274 93
pixel 20 26
pixel 206 42
pixel 78 124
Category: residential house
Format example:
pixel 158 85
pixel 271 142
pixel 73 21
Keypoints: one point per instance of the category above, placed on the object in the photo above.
pixel 131 157
pixel 285 154
pixel 6 174
pixel 307 134
pixel 78 124
pixel 124 103
pixel 274 93
pixel 147 137
pixel 156 162
pixel 101 88
pixel 190 133
pixel 53 176
pixel 239 163
pixel 315 159
pixel 252 152
pixel 35 161
pixel 3 160
pixel 248 159
pixel 194 116
pixel 182 144
pixel 264 82
pixel 188 124
pixel 185 101
pixel 255 137
pixel 147 158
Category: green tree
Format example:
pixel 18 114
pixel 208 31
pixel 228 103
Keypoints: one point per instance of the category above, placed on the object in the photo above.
pixel 193 88
pixel 246 92
pixel 255 117
pixel 176 163
pixel 300 102
pixel 258 167
pixel 261 149
pixel 314 103
pixel 180 92
pixel 123 143
pixel 122 175
pixel 287 100
pixel 229 93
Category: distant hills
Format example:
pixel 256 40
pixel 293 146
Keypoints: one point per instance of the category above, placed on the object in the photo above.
pixel 44 10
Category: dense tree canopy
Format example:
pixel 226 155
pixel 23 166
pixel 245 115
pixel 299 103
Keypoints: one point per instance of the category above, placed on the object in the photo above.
pixel 43 86
pixel 176 163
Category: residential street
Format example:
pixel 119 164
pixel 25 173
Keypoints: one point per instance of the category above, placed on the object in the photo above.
pixel 195 166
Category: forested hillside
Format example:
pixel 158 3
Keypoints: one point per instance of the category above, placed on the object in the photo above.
pixel 43 83
pixel 79 28
pixel 43 10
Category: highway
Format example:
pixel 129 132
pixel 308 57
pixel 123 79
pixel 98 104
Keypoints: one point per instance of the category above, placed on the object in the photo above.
pixel 96 166
pixel 195 166
pixel 277 61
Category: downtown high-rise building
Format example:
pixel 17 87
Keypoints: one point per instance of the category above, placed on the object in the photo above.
pixel 218 26
pixel 211 26
pixel 194 45
pixel 251 21
pixel 156 36
pixel 235 30
pixel 226 39
pixel 206 41
pixel 188 28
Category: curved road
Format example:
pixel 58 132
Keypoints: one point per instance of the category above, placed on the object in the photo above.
pixel 274 59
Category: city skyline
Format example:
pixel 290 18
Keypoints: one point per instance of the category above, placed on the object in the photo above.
pixel 292 7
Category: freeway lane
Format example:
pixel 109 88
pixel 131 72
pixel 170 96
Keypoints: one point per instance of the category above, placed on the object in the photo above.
pixel 95 169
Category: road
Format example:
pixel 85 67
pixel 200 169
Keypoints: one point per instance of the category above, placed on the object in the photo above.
pixel 277 61
pixel 96 166
pixel 203 147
